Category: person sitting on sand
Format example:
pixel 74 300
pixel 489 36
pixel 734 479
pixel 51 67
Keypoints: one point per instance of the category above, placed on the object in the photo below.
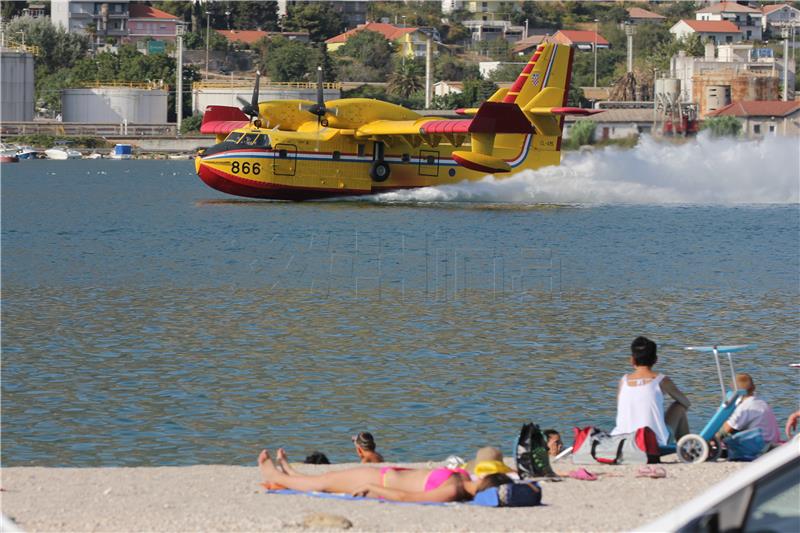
pixel 389 482
pixel 554 442
pixel 752 412
pixel 640 397
pixel 365 448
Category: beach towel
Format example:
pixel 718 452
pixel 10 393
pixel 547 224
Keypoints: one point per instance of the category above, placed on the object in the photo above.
pixel 508 495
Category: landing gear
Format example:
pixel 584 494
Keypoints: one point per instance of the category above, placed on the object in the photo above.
pixel 379 171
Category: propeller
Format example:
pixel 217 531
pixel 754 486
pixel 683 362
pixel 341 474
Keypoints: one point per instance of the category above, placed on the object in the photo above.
pixel 251 108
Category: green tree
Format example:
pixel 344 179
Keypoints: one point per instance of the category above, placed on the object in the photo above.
pixel 369 48
pixel 287 60
pixel 724 126
pixel 57 47
pixel 477 91
pixel 675 11
pixel 448 101
pixel 455 33
pixel 582 133
pixel 506 72
pixel 192 123
pixel 406 79
pixel 320 19
pixel 451 68
pixel 11 9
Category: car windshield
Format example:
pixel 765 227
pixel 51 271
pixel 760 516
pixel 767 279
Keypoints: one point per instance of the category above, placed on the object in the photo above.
pixel 234 136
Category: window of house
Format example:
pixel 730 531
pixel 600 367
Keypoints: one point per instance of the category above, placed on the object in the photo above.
pixel 757 129
pixel 772 128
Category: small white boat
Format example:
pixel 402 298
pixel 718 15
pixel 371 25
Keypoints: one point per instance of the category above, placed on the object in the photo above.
pixel 8 154
pixel 94 155
pixel 122 151
pixel 61 152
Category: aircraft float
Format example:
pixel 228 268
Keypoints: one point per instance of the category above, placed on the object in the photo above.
pixel 301 150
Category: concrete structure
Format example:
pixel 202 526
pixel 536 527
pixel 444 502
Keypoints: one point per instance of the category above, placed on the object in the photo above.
pixel 714 31
pixel 750 74
pixel 103 20
pixel 353 12
pixel 491 30
pixel 227 93
pixel 114 105
pixel 448 6
pixel 16 85
pixel 411 42
pixel 615 123
pixel 146 22
pixel 747 19
pixel 762 118
pixel 777 16
pixel 444 88
pixel 493 9
pixel 637 15
pixel 581 39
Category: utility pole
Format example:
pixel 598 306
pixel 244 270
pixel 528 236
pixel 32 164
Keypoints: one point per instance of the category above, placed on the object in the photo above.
pixel 428 61
pixel 179 78
pixel 629 31
pixel 208 36
pixel 786 63
pixel 596 28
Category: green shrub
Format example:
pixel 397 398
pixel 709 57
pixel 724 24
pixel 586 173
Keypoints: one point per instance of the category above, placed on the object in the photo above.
pixel 725 126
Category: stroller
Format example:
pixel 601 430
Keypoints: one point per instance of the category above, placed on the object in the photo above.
pixel 697 448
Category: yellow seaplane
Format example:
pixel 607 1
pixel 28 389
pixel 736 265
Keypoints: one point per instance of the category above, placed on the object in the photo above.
pixel 300 150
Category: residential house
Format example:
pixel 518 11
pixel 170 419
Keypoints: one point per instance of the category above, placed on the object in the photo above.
pixel 411 42
pixel 615 123
pixel 250 37
pixel 747 19
pixel 147 22
pixel 102 20
pixel 353 12
pixel 637 15
pixel 713 31
pixel 735 72
pixel 526 46
pixel 491 30
pixel 448 6
pixel 492 9
pixel 443 88
pixel 581 39
pixel 778 16
pixel 34 11
pixel 760 118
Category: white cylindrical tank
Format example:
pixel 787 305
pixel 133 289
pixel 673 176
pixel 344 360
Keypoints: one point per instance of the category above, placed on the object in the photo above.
pixel 668 89
pixel 114 105
pixel 203 97
pixel 717 96
pixel 16 86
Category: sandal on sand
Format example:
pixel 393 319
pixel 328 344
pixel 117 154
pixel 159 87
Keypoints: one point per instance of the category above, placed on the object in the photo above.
pixel 582 474
pixel 654 472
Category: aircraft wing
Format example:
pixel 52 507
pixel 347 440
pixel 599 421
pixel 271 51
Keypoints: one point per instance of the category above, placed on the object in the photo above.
pixel 220 119
pixel 391 127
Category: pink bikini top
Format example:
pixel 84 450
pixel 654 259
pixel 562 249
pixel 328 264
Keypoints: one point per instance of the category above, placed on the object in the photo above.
pixel 439 475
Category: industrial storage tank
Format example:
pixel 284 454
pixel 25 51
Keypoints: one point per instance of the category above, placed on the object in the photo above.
pixel 114 104
pixel 668 90
pixel 717 97
pixel 16 85
pixel 222 92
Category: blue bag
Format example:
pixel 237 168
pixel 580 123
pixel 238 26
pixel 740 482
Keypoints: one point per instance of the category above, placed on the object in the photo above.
pixel 524 494
pixel 745 445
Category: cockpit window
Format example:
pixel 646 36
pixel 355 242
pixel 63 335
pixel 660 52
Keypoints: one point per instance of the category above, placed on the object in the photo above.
pixel 255 139
pixel 233 136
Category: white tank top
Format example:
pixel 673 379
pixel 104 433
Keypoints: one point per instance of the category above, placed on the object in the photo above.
pixel 641 405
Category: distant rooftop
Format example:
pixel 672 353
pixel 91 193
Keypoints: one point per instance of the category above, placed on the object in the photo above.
pixel 389 31
pixel 141 11
pixel 728 7
pixel 579 37
pixel 757 108
pixel 712 26
pixel 639 13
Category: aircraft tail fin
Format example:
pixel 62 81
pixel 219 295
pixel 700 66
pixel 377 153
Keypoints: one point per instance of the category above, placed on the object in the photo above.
pixel 546 77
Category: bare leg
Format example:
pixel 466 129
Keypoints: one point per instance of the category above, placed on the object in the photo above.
pixel 283 461
pixel 347 481
pixel 676 419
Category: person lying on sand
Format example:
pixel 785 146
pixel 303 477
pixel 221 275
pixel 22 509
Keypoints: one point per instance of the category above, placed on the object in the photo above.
pixel 389 482
pixel 365 448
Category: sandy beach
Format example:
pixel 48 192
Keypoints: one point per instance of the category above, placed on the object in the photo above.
pixel 228 498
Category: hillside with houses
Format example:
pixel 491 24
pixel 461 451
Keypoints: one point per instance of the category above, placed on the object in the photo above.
pixel 655 67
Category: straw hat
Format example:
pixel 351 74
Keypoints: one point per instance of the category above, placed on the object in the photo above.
pixel 488 460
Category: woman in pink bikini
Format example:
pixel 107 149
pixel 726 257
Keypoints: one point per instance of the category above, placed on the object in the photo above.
pixel 388 482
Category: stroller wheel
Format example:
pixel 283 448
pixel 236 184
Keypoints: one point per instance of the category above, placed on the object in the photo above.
pixel 714 449
pixel 692 449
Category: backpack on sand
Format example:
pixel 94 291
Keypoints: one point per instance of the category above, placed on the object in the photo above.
pixel 593 445
pixel 531 452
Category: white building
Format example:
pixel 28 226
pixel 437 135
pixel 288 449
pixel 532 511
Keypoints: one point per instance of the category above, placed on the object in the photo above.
pixel 778 16
pixel 747 19
pixel 713 31
pixel 448 6
pixel 490 30
pixel 101 19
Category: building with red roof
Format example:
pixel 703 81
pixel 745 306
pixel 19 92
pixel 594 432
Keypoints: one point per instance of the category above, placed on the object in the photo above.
pixel 410 41
pixel 714 31
pixel 747 19
pixel 147 22
pixel 250 37
pixel 637 15
pixel 777 16
pixel 580 39
pixel 764 117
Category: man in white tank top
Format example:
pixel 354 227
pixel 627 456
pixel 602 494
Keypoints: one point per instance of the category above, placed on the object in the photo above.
pixel 640 397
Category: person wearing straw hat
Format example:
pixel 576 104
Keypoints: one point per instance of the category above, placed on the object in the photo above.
pixel 488 460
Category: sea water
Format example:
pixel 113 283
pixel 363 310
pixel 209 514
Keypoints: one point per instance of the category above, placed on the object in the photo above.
pixel 149 320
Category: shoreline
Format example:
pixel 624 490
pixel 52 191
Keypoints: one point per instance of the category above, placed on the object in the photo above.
pixel 229 498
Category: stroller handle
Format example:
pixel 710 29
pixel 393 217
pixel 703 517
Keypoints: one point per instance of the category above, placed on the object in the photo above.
pixel 727 350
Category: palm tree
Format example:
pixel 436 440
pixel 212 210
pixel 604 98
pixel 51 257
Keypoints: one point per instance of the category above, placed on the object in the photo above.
pixel 406 79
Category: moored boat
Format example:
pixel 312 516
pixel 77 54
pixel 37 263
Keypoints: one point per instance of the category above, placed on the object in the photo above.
pixel 27 152
pixel 61 152
pixel 122 151
pixel 8 154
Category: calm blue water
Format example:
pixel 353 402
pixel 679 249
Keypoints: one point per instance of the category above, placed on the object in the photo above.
pixel 149 320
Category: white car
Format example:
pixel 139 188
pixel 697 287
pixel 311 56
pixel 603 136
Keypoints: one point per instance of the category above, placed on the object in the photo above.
pixel 763 496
